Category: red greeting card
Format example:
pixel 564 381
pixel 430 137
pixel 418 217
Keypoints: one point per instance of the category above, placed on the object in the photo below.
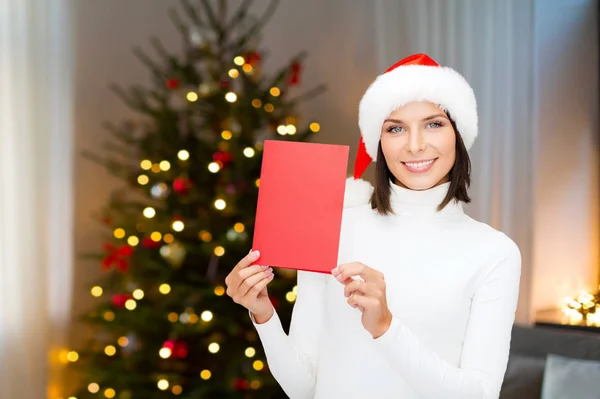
pixel 300 203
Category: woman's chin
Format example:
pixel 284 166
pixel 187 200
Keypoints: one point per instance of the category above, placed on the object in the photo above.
pixel 419 183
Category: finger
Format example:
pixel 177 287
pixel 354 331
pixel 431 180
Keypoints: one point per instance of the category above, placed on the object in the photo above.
pixel 348 270
pixel 237 277
pixel 360 301
pixel 251 281
pixel 243 263
pixel 365 288
pixel 258 287
pixel 248 260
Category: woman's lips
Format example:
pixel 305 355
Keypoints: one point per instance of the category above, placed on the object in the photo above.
pixel 419 166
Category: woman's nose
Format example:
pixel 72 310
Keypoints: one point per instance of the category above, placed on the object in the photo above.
pixel 416 142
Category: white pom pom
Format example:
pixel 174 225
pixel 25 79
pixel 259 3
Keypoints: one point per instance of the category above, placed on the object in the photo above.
pixel 358 192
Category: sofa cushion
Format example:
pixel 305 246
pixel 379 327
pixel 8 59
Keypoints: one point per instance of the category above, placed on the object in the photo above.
pixel 523 378
pixel 566 378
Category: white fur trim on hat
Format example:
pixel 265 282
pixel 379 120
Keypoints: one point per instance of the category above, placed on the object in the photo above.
pixel 358 192
pixel 442 86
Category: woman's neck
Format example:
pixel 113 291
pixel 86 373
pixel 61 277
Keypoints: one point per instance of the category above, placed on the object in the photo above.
pixel 407 202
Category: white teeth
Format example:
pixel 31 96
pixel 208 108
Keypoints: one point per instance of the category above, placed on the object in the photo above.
pixel 419 165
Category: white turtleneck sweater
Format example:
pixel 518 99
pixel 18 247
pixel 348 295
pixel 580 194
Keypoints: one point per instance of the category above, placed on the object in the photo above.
pixel 452 288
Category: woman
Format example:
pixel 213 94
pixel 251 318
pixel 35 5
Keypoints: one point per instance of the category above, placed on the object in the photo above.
pixel 424 297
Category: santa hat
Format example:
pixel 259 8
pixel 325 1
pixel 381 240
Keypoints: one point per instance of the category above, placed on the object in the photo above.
pixel 415 78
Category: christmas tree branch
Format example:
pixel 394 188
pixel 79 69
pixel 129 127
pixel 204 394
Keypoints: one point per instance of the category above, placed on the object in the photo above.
pixel 192 14
pixel 309 94
pixel 254 29
pixel 239 15
pixel 212 17
pixel 147 61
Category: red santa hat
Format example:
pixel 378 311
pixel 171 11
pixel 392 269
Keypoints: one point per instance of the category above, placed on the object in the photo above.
pixel 415 78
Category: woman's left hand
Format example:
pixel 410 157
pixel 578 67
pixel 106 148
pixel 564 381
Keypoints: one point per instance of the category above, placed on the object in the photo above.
pixel 369 295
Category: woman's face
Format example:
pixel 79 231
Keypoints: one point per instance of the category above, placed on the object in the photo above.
pixel 419 145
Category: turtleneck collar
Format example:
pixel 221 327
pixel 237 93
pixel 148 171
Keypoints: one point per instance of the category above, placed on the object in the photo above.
pixel 407 202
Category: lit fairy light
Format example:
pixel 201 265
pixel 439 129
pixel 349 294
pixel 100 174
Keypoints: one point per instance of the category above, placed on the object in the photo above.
pixel 249 152
pixel 239 60
pixel 214 167
pixel 183 155
pixel 178 225
pixel 314 127
pixel 149 212
pixel 231 97
pixel 220 204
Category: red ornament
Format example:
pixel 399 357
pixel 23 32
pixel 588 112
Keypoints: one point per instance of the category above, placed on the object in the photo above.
pixel 148 242
pixel 240 384
pixel 223 157
pixel 173 83
pixel 119 299
pixel 179 349
pixel 117 256
pixel 252 58
pixel 181 185
pixel 295 74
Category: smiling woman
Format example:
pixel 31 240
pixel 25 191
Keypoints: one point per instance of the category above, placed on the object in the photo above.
pixel 422 148
pixel 355 333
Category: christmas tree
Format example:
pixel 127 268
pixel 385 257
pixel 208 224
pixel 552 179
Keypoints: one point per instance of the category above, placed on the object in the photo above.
pixel 190 162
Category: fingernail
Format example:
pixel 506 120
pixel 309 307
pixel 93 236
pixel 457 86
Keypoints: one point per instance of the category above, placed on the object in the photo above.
pixel 335 271
pixel 269 271
pixel 254 254
pixel 339 277
pixel 264 266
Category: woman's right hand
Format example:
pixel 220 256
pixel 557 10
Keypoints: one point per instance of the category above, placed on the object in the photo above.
pixel 247 285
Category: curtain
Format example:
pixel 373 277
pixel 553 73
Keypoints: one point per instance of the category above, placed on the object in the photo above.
pixel 36 195
pixel 490 43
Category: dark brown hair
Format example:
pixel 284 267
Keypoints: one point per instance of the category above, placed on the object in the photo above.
pixel 460 178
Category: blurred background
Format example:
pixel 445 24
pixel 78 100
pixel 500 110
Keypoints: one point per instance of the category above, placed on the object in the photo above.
pixel 131 138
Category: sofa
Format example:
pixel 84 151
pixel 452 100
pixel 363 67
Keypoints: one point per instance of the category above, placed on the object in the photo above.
pixel 530 346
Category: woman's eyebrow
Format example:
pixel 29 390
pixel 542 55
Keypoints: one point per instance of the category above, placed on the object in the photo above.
pixel 423 120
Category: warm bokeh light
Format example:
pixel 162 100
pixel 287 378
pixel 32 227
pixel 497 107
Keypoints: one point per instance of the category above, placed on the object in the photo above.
pixel 183 155
pixel 250 352
pixel 163 384
pixel 164 289
pixel 110 350
pixel 249 152
pixel 206 315
pixel 219 251
pixel 239 227
pixel 191 96
pixel 133 241
pixel 119 233
pixel 233 73
pixel 275 91
pixel 178 225
pixel 231 97
pixel 239 60
pixel 146 164
pixel 219 290
pixel 143 180
pixel 93 387
pixel 226 135
pixel 314 127
pixel 214 347
pixel 149 212
pixel 220 204
pixel 138 294
pixel 258 365
pixel 214 167
pixel 165 353
pixel 97 291
pixel 205 374
pixel 130 304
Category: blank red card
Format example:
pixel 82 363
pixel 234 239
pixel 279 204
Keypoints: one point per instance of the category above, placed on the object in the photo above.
pixel 300 203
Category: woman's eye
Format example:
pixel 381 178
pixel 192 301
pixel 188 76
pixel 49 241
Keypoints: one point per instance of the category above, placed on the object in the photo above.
pixel 395 129
pixel 434 125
